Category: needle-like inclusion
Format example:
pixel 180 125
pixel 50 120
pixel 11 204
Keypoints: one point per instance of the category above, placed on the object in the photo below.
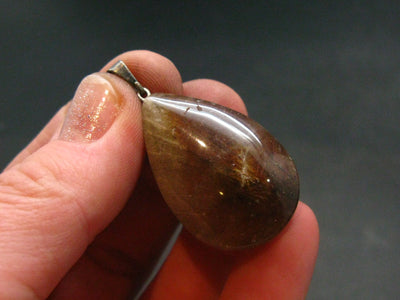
pixel 230 182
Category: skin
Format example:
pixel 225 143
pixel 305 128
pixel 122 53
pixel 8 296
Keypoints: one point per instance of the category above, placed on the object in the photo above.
pixel 91 230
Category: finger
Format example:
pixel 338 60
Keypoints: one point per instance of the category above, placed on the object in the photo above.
pixel 56 200
pixel 121 258
pixel 50 131
pixel 281 269
pixel 193 270
pixel 214 91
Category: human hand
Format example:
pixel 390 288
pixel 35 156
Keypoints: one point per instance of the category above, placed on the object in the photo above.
pixel 68 231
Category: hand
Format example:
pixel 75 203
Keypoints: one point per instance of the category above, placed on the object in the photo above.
pixel 68 231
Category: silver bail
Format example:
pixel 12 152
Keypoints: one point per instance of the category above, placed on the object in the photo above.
pixel 121 70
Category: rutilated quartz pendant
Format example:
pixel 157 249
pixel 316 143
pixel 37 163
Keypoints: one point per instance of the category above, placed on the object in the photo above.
pixel 229 182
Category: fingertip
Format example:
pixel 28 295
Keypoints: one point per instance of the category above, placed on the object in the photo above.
pixel 305 215
pixel 153 71
pixel 281 269
pixel 214 91
pixel 301 239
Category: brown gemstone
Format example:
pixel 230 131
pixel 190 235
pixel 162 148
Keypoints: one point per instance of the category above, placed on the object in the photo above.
pixel 230 182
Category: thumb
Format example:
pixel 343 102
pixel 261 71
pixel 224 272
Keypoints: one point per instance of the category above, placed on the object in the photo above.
pixel 56 200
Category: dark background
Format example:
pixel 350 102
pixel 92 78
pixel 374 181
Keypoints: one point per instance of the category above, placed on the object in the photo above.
pixel 323 78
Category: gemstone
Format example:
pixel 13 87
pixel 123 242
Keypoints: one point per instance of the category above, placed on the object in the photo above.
pixel 226 178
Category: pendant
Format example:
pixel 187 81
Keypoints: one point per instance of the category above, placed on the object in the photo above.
pixel 226 178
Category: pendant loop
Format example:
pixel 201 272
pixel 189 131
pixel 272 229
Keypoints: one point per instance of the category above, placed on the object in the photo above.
pixel 146 93
pixel 121 70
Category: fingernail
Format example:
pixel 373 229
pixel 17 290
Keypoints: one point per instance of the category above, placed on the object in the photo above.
pixel 94 108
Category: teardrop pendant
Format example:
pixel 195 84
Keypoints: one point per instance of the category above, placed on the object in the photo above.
pixel 228 181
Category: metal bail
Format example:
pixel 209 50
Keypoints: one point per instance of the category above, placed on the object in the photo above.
pixel 121 70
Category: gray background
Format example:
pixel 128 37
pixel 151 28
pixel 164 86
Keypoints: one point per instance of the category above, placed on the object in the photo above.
pixel 323 78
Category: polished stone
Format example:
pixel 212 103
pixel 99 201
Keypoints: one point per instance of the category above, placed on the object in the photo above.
pixel 230 182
